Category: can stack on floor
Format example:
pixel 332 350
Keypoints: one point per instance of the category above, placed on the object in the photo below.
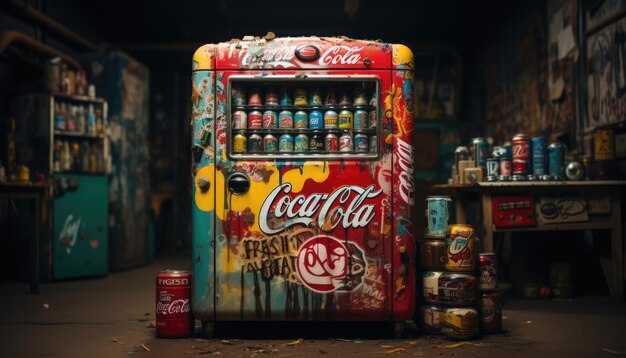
pixel 433 260
pixel 489 300
pixel 449 261
pixel 457 285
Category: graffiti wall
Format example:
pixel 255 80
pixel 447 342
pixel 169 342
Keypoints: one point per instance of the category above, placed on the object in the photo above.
pixel 530 73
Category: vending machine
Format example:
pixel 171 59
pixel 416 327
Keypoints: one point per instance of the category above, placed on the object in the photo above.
pixel 302 169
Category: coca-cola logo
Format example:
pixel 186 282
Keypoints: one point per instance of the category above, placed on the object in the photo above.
pixel 326 264
pixel 404 157
pixel 345 206
pixel 520 149
pixel 274 56
pixel 173 307
pixel 174 281
pixel 344 55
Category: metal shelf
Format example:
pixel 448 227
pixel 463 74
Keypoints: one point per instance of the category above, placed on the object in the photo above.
pixel 75 98
pixel 78 135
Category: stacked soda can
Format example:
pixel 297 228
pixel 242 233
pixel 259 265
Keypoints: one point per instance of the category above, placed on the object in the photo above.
pixel 489 305
pixel 447 258
pixel 304 119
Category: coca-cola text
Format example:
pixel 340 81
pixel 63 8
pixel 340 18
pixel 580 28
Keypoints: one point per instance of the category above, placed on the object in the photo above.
pixel 176 306
pixel 344 206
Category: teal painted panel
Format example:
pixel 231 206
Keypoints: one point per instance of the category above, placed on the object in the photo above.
pixel 81 228
pixel 203 212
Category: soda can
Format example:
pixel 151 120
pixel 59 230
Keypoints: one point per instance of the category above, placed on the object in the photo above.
pixel 285 119
pixel 300 119
pixel 301 143
pixel 239 96
pixel 270 119
pixel 173 304
pixel 457 289
pixel 459 323
pixel 300 97
pixel 429 318
pixel 480 151
pixel 345 143
pixel 331 143
pixel 271 97
pixel 461 248
pixel 255 97
pixel 316 119
pixel 373 118
pixel 345 119
pixel 538 150
pixel 508 151
pixel 604 144
pixel 493 167
pixel 556 161
pixel 430 284
pixel 521 154
pixel 255 119
pixel 270 144
pixel 285 99
pixel 316 142
pixel 461 153
pixel 331 98
pixel 433 255
pixel 490 312
pixel 439 214
pixel 255 143
pixel 359 97
pixel 506 167
pixel 240 120
pixel 373 143
pixel 285 143
pixel 315 97
pixel 240 143
pixel 488 268
pixel 360 119
pixel 361 143
pixel 330 119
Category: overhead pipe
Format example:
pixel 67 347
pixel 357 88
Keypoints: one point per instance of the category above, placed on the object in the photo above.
pixel 7 38
pixel 28 12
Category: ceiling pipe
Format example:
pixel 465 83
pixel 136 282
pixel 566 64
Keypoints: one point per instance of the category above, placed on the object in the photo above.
pixel 7 38
pixel 27 12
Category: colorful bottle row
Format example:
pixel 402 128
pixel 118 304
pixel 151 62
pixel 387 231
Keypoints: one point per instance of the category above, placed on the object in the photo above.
pixel 360 118
pixel 274 96
pixel 315 142
pixel 82 157
pixel 78 118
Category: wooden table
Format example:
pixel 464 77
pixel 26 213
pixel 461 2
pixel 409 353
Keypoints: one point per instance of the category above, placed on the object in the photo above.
pixel 611 222
pixel 34 192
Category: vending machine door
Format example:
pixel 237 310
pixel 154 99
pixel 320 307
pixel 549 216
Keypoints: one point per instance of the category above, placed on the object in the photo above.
pixel 303 197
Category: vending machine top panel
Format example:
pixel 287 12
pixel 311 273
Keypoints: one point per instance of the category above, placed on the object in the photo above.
pixel 293 53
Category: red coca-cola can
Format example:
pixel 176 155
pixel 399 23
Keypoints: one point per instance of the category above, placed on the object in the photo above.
pixel 521 154
pixel 173 304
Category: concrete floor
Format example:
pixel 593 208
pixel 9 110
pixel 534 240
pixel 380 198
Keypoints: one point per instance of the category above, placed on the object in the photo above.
pixel 109 317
